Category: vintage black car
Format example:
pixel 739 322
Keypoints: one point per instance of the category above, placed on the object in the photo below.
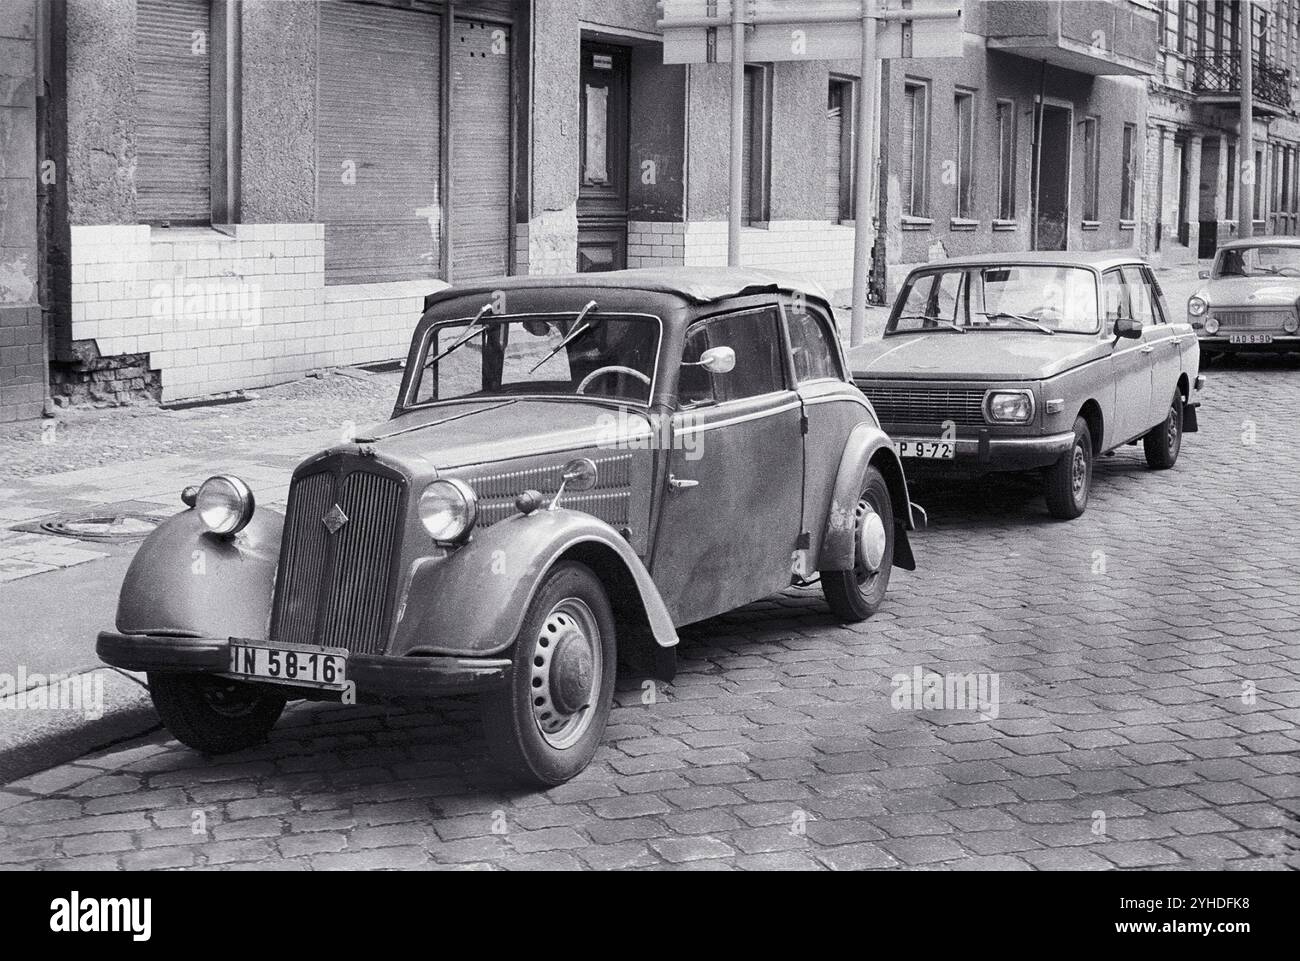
pixel 575 467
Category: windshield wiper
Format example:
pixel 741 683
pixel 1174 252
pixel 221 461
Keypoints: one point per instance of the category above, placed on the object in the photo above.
pixel 579 328
pixel 475 328
pixel 999 314
pixel 946 324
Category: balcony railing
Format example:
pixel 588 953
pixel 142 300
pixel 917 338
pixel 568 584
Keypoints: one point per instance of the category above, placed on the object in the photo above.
pixel 1220 73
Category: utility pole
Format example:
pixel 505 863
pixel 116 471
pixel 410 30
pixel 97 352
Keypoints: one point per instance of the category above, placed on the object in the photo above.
pixel 865 168
pixel 1246 158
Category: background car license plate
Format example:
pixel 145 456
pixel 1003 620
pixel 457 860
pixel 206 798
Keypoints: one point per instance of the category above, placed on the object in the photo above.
pixel 1250 339
pixel 322 667
pixel 929 449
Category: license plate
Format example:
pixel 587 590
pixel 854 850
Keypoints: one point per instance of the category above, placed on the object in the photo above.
pixel 928 449
pixel 299 664
pixel 1250 338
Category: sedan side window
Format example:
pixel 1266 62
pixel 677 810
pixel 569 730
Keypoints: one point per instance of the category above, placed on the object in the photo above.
pixel 1115 298
pixel 755 337
pixel 813 346
pixel 1139 296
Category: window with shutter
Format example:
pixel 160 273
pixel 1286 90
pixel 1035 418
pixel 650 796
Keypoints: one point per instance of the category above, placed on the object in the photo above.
pixel 912 180
pixel 379 142
pixel 174 111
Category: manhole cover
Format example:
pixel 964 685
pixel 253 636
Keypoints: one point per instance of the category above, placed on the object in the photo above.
pixel 116 527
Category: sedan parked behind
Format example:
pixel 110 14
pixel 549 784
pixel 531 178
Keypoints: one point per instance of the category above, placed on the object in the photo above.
pixel 1250 298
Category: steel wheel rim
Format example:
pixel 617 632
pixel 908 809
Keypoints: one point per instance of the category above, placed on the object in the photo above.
pixel 867 527
pixel 229 699
pixel 1172 431
pixel 1079 472
pixel 570 622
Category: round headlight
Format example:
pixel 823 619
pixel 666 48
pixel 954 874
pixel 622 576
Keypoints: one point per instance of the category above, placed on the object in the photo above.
pixel 448 509
pixel 1009 407
pixel 225 504
pixel 1196 306
pixel 1211 326
pixel 1291 324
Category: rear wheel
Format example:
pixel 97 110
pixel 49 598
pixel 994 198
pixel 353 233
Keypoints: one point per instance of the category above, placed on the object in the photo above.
pixel 1163 442
pixel 857 594
pixel 545 726
pixel 212 714
pixel 1069 480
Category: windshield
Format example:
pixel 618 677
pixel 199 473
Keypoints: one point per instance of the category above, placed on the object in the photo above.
pixel 613 358
pixel 1262 261
pixel 1026 297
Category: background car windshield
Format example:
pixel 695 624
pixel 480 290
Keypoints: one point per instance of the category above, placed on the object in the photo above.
pixel 1262 261
pixel 499 360
pixel 992 297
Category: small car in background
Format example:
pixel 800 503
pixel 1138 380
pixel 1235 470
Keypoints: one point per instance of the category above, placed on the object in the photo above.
pixel 1250 298
pixel 575 467
pixel 1041 361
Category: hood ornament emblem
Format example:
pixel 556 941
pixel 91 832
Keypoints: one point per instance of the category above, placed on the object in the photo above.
pixel 334 519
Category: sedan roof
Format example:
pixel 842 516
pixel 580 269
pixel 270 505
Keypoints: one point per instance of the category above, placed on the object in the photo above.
pixel 1095 260
pixel 1272 240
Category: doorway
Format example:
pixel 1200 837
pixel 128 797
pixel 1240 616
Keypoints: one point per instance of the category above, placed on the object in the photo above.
pixel 602 157
pixel 1052 187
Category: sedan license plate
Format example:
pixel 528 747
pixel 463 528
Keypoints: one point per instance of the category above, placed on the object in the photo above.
pixel 928 449
pixel 1250 338
pixel 299 664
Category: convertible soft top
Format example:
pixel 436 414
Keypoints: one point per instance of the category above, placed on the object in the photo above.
pixel 700 285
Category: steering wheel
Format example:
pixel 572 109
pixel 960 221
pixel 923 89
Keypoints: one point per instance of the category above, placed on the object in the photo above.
pixel 612 369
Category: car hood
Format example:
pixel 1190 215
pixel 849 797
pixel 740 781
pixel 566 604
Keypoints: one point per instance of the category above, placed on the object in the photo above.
pixel 1251 292
pixel 454 435
pixel 980 355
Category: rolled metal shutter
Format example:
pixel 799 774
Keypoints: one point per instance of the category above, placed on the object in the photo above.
pixel 480 156
pixel 909 140
pixel 174 111
pixel 834 153
pixel 379 143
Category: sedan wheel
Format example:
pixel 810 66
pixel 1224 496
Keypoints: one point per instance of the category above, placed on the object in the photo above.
pixel 1163 442
pixel 855 595
pixel 1069 480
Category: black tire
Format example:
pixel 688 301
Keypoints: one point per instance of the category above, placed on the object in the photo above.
pixel 1069 480
pixel 212 714
pixel 570 604
pixel 1163 442
pixel 857 594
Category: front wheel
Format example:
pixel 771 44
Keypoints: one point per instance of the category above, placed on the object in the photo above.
pixel 1163 442
pixel 1069 480
pixel 545 726
pixel 212 714
pixel 857 594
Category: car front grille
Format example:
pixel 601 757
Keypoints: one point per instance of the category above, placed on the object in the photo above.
pixel 610 500
pixel 925 405
pixel 335 588
pixel 1267 318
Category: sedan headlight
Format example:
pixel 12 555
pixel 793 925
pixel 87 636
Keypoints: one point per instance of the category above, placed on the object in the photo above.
pixel 1212 326
pixel 448 509
pixel 225 504
pixel 1009 406
pixel 1291 324
pixel 1196 306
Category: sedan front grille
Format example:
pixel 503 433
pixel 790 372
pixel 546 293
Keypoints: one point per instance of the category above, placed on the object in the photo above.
pixel 926 405
pixel 335 588
pixel 1266 318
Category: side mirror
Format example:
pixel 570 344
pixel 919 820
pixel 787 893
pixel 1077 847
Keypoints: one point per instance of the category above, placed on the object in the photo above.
pixel 1203 274
pixel 1127 327
pixel 716 360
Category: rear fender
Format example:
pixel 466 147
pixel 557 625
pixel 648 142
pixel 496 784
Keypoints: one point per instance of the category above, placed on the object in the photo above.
pixel 867 446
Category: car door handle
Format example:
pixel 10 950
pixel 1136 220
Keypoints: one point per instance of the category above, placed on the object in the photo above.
pixel 679 484
pixel 1146 348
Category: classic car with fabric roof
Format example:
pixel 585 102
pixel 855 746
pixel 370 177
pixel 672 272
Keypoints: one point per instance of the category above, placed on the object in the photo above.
pixel 1041 361
pixel 1250 297
pixel 575 467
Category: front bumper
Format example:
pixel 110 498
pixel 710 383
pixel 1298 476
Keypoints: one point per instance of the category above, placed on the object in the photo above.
pixel 375 674
pixel 990 453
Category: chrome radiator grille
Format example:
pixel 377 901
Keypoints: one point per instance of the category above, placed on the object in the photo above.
pixel 334 588
pixel 925 405
pixel 1261 319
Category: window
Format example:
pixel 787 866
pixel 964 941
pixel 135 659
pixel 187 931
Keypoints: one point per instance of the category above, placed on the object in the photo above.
pixel 1128 185
pixel 1190 26
pixel 812 344
pixel 757 165
pixel 1091 166
pixel 173 133
pixel 998 298
pixel 1230 198
pixel 1257 195
pixel 1114 298
pixel 916 143
pixel 1007 159
pixel 1139 296
pixel 754 336
pixel 840 119
pixel 964 116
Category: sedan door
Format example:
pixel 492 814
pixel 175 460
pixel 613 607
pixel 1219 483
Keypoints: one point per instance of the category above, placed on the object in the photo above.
pixel 730 518
pixel 1160 344
pixel 1130 364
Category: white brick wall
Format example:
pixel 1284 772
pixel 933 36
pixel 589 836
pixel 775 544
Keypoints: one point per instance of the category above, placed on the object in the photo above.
pixel 217 312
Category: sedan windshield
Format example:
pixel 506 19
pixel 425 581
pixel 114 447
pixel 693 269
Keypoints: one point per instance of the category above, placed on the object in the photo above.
pixel 1030 297
pixel 607 356
pixel 1261 261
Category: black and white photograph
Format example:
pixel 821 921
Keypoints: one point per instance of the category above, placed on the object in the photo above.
pixel 624 436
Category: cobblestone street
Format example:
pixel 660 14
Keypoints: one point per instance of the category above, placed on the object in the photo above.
pixel 1146 656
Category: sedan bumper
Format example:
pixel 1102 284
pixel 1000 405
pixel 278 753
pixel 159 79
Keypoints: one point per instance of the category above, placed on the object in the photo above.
pixel 988 453
pixel 375 674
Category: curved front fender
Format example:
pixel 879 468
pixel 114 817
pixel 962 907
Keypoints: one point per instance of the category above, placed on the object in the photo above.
pixel 472 602
pixel 184 580
pixel 867 444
